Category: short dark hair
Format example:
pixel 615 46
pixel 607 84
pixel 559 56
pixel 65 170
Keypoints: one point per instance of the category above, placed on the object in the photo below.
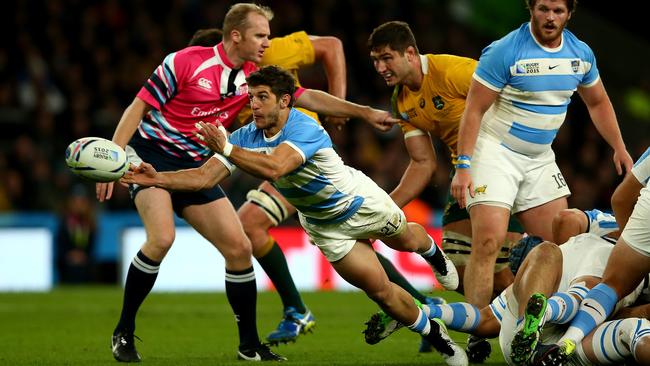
pixel 206 37
pixel 395 34
pixel 237 17
pixel 278 79
pixel 570 4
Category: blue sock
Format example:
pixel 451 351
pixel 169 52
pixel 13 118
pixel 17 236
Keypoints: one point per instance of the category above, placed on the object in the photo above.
pixel 563 306
pixel 431 251
pixel 595 308
pixel 421 324
pixel 460 316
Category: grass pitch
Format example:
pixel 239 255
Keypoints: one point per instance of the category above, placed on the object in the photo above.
pixel 72 326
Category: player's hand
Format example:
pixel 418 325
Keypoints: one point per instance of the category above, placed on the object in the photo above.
pixel 381 120
pixel 622 159
pixel 104 191
pixel 214 136
pixel 337 122
pixel 144 175
pixel 461 185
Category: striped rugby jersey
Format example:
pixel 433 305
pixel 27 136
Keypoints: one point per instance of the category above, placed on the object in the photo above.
pixel 323 188
pixel 535 85
pixel 191 85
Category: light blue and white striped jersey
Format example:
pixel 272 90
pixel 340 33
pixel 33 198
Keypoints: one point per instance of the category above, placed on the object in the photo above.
pixel 535 84
pixel 323 188
pixel 641 168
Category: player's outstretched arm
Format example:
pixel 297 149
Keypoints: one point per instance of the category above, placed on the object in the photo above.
pixel 603 116
pixel 207 175
pixel 321 102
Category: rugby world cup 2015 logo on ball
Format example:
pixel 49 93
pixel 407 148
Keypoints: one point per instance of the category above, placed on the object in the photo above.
pixel 96 159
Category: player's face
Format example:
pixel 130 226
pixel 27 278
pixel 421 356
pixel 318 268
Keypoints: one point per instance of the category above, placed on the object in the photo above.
pixel 265 105
pixel 548 19
pixel 390 65
pixel 255 39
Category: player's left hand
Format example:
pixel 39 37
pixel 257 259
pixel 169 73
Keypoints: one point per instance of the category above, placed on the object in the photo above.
pixel 622 159
pixel 214 136
pixel 381 120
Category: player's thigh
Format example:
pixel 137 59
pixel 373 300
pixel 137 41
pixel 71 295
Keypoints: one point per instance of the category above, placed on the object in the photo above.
pixel 217 222
pixel 496 174
pixel 265 207
pixel 155 208
pixel 543 183
pixel 538 220
pixel 361 268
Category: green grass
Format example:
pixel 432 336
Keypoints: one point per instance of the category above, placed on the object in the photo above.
pixel 72 326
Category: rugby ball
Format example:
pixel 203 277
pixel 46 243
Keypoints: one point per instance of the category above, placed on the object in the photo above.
pixel 96 159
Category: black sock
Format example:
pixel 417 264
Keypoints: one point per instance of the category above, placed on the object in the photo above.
pixel 139 281
pixel 275 265
pixel 241 291
pixel 395 277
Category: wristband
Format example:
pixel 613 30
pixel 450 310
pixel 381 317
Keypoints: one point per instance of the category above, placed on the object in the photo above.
pixel 463 162
pixel 227 149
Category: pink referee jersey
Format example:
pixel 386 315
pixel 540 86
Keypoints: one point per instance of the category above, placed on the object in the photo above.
pixel 191 85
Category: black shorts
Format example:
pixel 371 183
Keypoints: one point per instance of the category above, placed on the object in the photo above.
pixel 162 161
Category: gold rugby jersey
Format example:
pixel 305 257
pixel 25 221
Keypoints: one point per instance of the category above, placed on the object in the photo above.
pixel 438 105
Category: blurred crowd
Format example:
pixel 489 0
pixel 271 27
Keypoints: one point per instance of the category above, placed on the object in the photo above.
pixel 73 66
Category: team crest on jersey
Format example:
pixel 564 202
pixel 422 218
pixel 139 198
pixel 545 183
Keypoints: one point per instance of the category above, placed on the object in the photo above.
pixel 205 84
pixel 575 65
pixel 438 102
pixel 421 102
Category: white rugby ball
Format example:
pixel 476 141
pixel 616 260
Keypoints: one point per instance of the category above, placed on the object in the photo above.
pixel 96 159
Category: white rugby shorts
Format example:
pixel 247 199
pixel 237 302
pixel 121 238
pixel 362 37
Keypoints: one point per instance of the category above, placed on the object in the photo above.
pixel 512 180
pixel 377 217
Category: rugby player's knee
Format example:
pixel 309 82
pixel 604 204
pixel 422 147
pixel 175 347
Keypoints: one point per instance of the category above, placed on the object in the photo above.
pixel 488 247
pixel 160 241
pixel 379 294
pixel 546 251
pixel 237 249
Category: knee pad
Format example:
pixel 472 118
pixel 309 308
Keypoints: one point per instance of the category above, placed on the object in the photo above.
pixel 272 207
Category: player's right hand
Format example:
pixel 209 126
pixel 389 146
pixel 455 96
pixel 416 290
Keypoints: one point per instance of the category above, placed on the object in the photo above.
pixel 461 185
pixel 382 120
pixel 144 175
pixel 104 191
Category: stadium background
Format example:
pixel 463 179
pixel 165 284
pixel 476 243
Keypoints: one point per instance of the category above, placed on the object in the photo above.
pixel 69 68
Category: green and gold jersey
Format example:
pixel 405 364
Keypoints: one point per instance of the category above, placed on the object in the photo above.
pixel 438 105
